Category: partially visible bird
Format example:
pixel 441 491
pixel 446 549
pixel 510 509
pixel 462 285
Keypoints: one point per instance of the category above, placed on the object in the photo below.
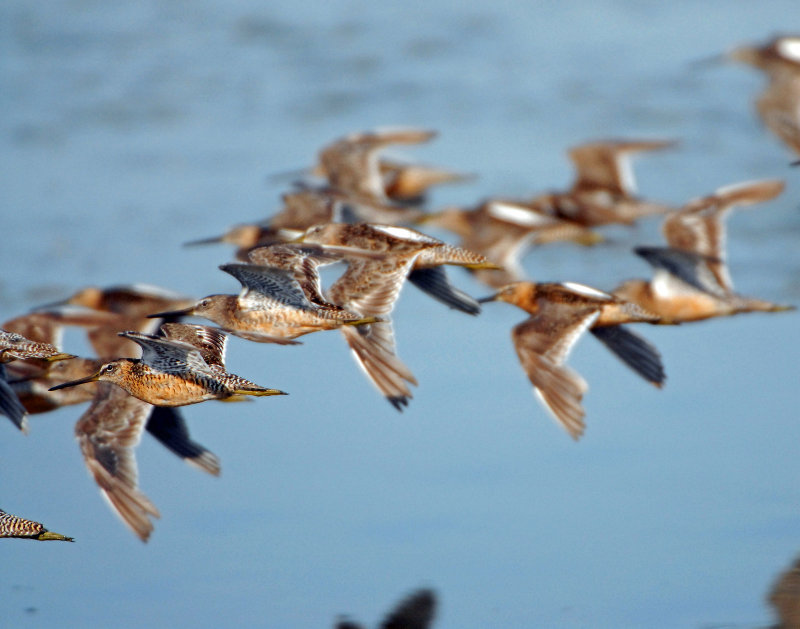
pixel 785 598
pixel 13 526
pixel 416 611
pixel 779 104
pixel 502 230
pixel 16 347
pixel 604 190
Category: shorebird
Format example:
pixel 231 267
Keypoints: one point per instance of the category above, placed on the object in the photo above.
pixel 604 190
pixel 779 103
pixel 502 230
pixel 785 597
pixel 353 164
pixel 281 297
pixel 691 281
pixel 13 526
pixel 13 347
pixel 176 371
pixel 131 300
pixel 371 288
pixel 560 314
pixel 416 611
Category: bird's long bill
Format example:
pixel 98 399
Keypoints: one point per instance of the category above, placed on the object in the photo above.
pixel 204 241
pixel 487 299
pixel 259 392
pixel 73 383
pixel 50 536
pixel 62 356
pixel 491 266
pixel 171 313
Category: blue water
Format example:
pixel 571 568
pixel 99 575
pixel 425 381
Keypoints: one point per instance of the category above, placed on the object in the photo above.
pixel 129 128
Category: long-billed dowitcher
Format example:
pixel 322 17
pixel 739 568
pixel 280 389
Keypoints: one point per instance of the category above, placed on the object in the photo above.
pixel 416 611
pixel 502 230
pixel 779 104
pixel 691 281
pixel 281 297
pixel 13 526
pixel 176 372
pixel 371 287
pixel 604 190
pixel 560 314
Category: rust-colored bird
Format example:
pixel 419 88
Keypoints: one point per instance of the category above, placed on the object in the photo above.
pixel 560 314
pixel 691 280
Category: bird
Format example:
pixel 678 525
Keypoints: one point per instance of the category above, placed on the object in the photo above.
pixel 778 105
pixel 281 296
pixel 604 189
pixel 352 164
pixel 175 372
pixel 371 288
pixel 691 281
pixel 16 347
pixel 416 611
pixel 14 526
pixel 784 597
pixel 559 315
pixel 109 431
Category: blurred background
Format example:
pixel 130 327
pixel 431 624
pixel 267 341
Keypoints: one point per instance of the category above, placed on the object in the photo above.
pixel 130 128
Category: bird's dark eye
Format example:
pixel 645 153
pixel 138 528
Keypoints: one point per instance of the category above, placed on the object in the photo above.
pixel 110 368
